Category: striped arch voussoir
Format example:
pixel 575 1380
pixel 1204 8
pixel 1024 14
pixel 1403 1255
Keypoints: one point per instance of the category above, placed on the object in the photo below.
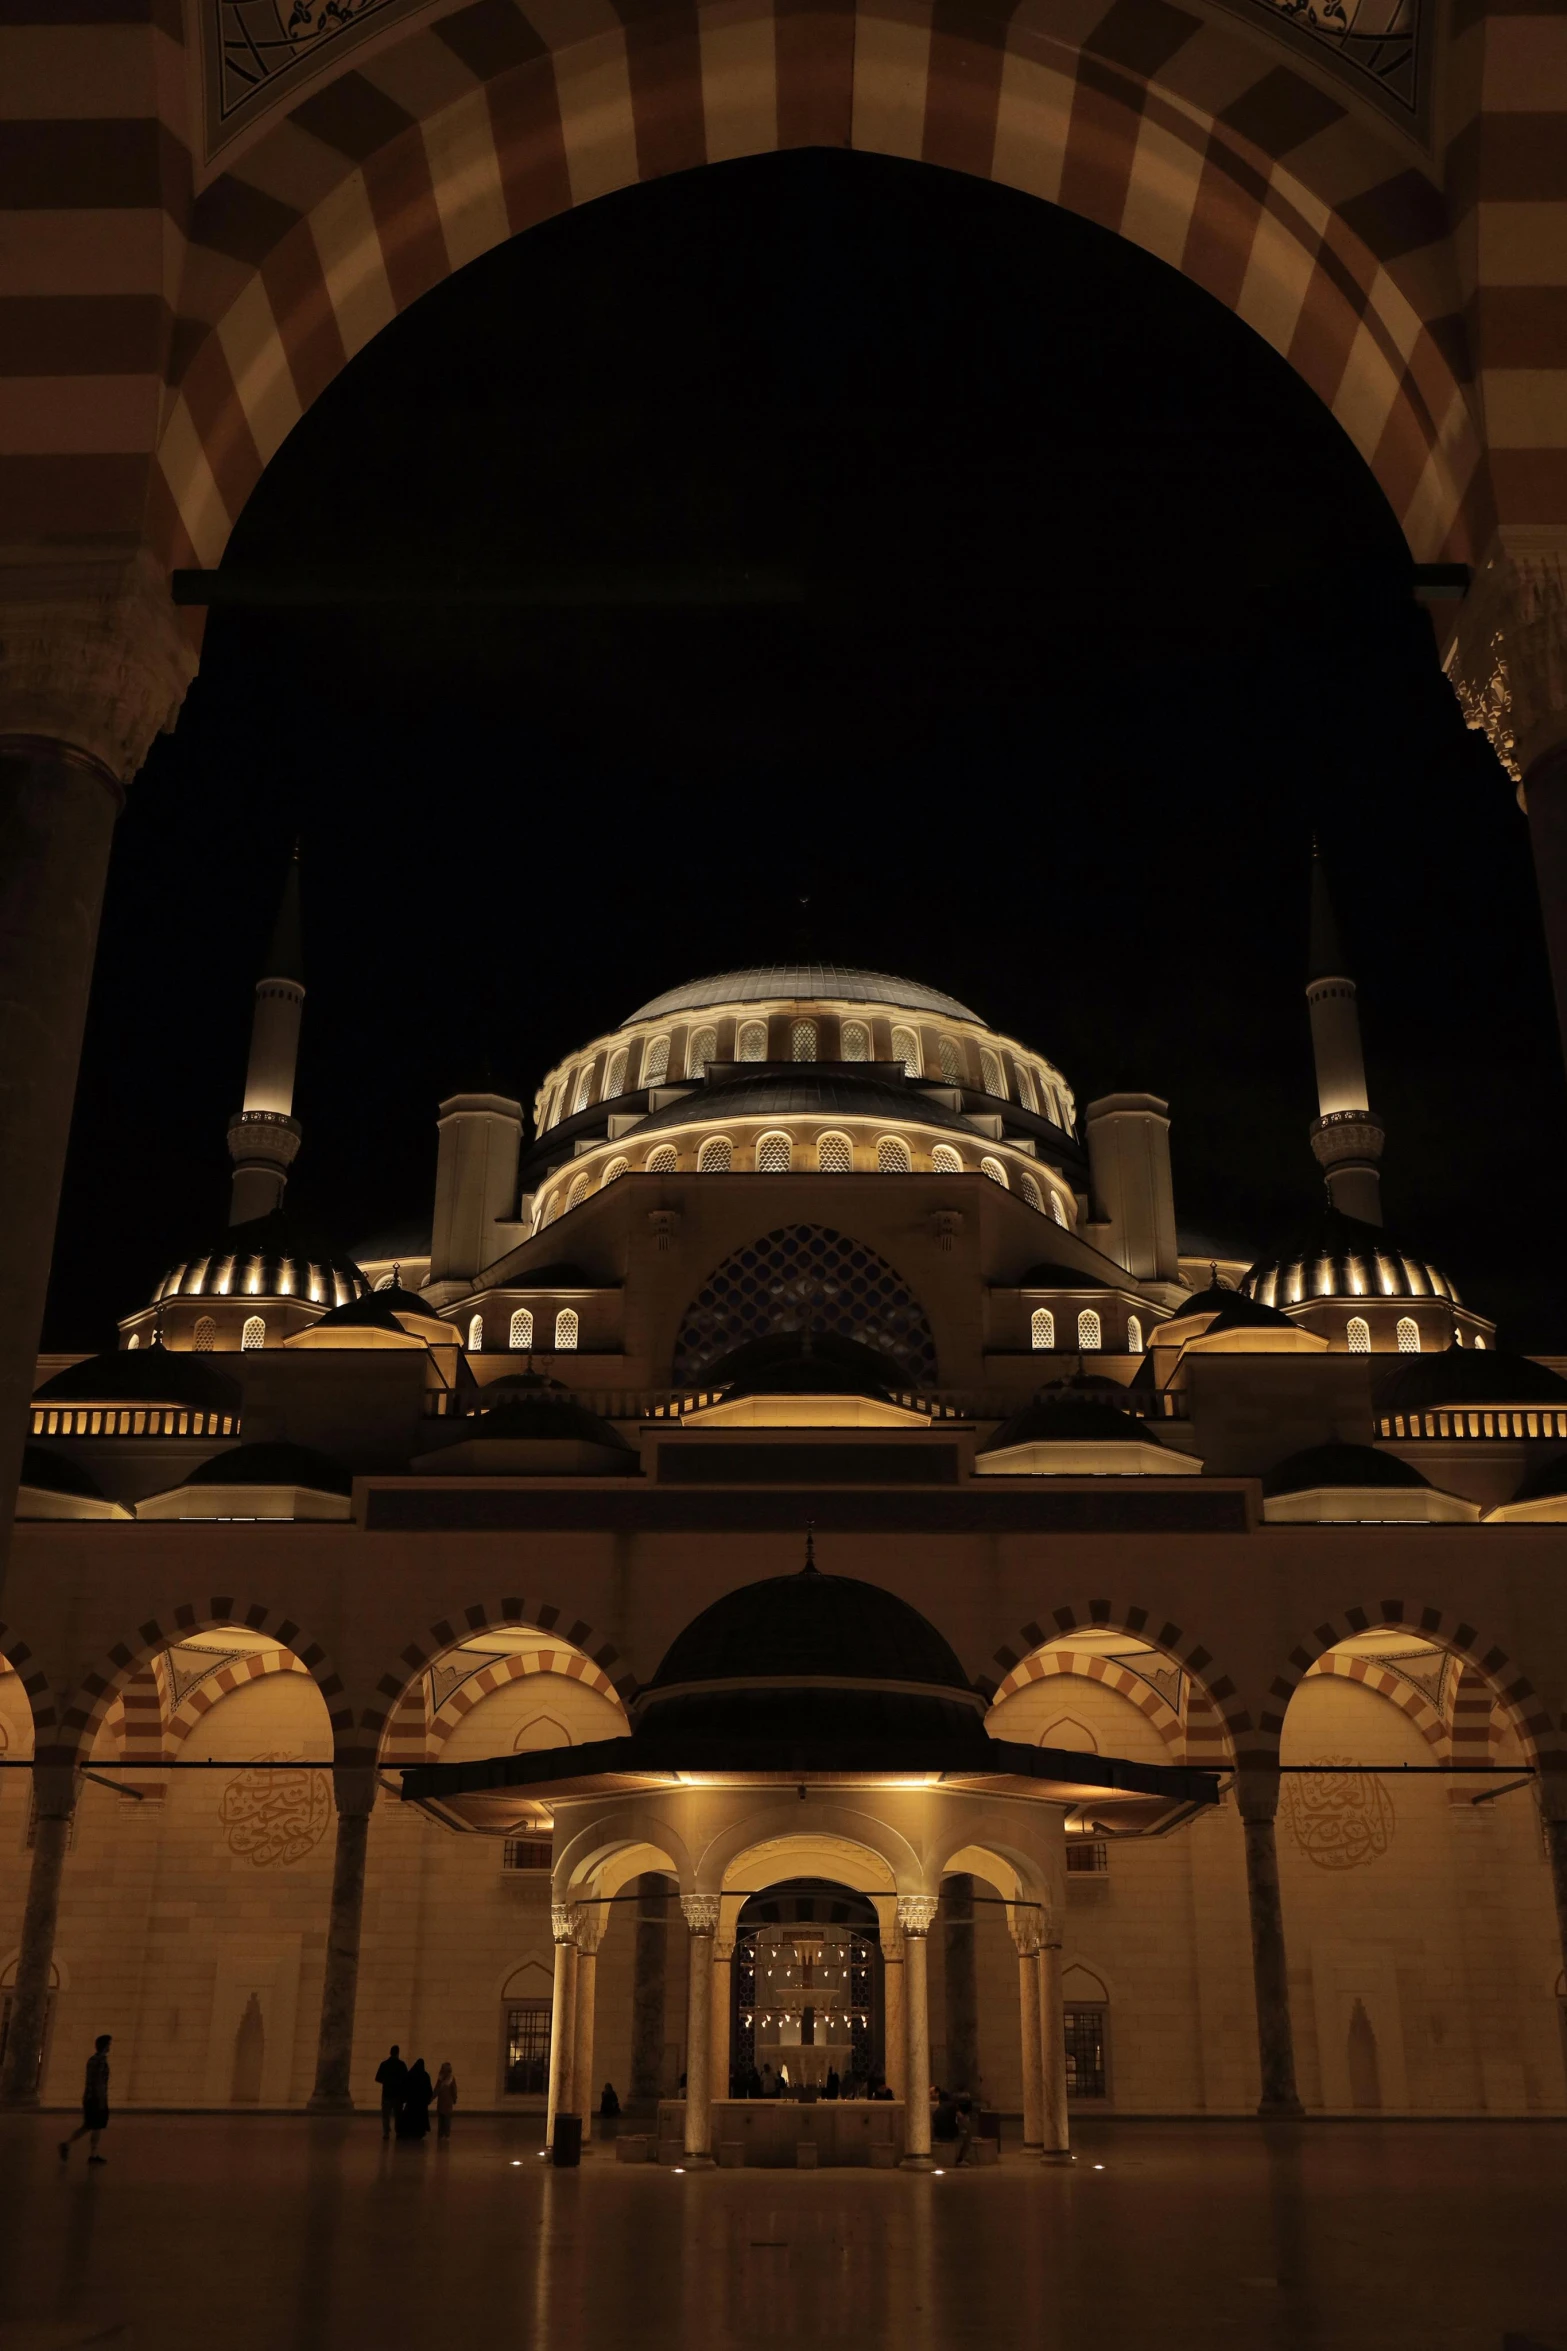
pixel 595 1665
pixel 1512 1691
pixel 232 1674
pixel 35 1685
pixel 1021 1664
pixel 80 1721
pixel 490 1678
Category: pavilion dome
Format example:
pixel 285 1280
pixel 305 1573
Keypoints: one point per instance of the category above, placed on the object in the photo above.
pixel 803 982
pixel 274 1464
pixel 272 1256
pixel 1337 1256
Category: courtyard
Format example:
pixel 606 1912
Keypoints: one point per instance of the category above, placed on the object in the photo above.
pixel 272 2231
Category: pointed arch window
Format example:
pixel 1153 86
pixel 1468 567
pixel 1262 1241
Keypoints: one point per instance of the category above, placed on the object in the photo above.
pixel 906 1048
pixel 553 1209
pixel 996 1172
pixel 584 1093
pixel 1042 1330
pixel 253 1334
pixel 700 1050
pixel 1134 1335
pixel 751 1041
pixel 476 1335
pixel 945 1160
pixel 1358 1335
pixel 992 1075
pixel 1056 1209
pixel 206 1335
pixel 774 1155
pixel 1408 1335
pixel 1031 1192
pixel 567 1326
pixel 855 1041
pixel 655 1061
pixel 949 1060
pixel 1090 1331
pixel 716 1156
pixel 663 1160
pixel 615 1075
pixel 835 1155
pixel 521 1330
pixel 802 1041
pixel 892 1156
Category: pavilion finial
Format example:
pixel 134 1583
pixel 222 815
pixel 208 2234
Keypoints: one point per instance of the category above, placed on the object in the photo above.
pixel 810 1567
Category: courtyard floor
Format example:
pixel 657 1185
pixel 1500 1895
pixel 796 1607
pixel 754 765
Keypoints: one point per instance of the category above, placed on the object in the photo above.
pixel 278 2234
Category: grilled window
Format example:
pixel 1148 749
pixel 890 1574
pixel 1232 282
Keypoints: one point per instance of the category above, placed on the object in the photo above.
pixel 522 1330
pixel 892 1156
pixel 1090 1331
pixel 906 1048
pixel 1042 1330
pixel 716 1156
pixel 567 1325
pixel 834 1155
pixel 855 1041
pixel 254 1333
pixel 1359 1335
pixel 774 1154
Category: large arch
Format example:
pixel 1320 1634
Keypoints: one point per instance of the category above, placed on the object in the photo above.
pixel 507 1614
pixel 1537 1733
pixel 1020 1659
pixel 1168 128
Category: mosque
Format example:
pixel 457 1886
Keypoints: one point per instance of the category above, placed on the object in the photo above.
pixel 795 1571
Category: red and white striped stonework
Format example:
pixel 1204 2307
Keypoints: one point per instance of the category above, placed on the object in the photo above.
pixel 165 323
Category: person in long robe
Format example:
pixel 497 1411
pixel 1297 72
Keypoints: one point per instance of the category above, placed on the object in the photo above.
pixel 413 2116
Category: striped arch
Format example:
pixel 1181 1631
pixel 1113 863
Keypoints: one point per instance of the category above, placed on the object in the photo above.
pixel 35 1688
pixel 78 1723
pixel 1218 1691
pixel 1393 1686
pixel 228 1674
pixel 1510 1689
pixel 495 1676
pixel 1074 1664
pixel 506 1615
pixel 1166 127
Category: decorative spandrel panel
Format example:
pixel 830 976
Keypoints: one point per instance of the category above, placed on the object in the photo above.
pixel 261 54
pixel 1377 47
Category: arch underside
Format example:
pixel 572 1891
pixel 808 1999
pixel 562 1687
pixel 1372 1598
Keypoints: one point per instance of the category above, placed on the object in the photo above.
pixel 1168 128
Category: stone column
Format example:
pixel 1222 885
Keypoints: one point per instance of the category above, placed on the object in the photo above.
pixel 1055 2124
pixel 647 1994
pixel 719 2059
pixel 93 663
pixel 1508 665
pixel 962 1986
pixel 54 1802
pixel 701 1916
pixel 354 1786
pixel 589 1922
pixel 915 1912
pixel 1552 1790
pixel 563 2017
pixel 892 2026
pixel 1025 1934
pixel 1257 1794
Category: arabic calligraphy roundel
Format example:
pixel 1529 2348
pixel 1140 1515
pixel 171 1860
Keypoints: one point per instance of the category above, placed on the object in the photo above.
pixel 275 1818
pixel 1341 1817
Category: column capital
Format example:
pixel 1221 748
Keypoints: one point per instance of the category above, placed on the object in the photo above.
pixel 701 1913
pixel 1508 658
pixel 354 1789
pixel 92 652
pixel 1028 1931
pixel 563 1921
pixel 916 1912
pixel 587 1927
pixel 1257 1790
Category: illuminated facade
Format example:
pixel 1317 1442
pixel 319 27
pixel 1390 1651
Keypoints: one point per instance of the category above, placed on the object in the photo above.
pixel 1170 1718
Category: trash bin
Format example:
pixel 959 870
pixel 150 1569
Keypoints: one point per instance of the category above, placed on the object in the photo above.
pixel 567 2146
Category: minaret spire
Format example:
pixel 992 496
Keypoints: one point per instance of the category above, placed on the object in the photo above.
pixel 1346 1137
pixel 264 1136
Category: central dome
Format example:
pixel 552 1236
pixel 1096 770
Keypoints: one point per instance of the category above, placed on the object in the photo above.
pixel 807 981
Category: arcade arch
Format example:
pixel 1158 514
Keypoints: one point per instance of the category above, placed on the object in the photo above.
pixel 498 1691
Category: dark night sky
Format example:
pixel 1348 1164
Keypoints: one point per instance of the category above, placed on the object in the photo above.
pixel 1107 616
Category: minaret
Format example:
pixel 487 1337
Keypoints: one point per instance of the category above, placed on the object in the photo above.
pixel 264 1136
pixel 1346 1137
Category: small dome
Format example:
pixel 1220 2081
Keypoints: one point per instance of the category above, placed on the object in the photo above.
pixel 1231 1310
pixel 523 1408
pixel 274 1465
pixel 1545 1481
pixel 1338 1256
pixel 1073 1412
pixel 52 1473
pixel 270 1257
pixel 818 1095
pixel 807 982
pixel 1339 1465
pixel 391 1309
pixel 805 1363
pixel 143 1375
pixel 1468 1375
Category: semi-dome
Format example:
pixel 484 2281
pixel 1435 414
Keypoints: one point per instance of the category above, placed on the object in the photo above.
pixel 1337 1256
pixel 275 1464
pixel 767 983
pixel 834 1093
pixel 1343 1483
pixel 154 1375
pixel 271 1256
pixel 1469 1375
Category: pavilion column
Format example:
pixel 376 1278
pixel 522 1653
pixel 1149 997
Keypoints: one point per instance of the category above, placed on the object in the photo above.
pixel 892 2028
pixel 589 1926
pixel 915 1912
pixel 54 1802
pixel 92 664
pixel 1054 2121
pixel 1257 1794
pixel 719 2059
pixel 1553 1807
pixel 354 1786
pixel 1025 1934
pixel 647 1990
pixel 962 1983
pixel 701 1916
pixel 563 2017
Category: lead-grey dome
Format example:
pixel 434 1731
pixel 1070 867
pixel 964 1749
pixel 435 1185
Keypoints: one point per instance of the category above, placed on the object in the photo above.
pixel 808 981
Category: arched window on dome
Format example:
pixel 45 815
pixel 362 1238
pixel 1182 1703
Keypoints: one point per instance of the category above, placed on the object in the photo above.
pixel 892 1156
pixel 774 1155
pixel 385 1282
pixel 802 1041
pixel 584 1093
pixel 701 1048
pixel 1090 1331
pixel 949 1060
pixel 1056 1209
pixel 616 1167
pixel 476 1335
pixel 552 1209
pixel 1042 1330
pixel 133 1341
pixel 945 1161
pixel 655 1061
pixel 1408 1335
pixel 1025 1086
pixel 992 1075
pixel 1479 1339
pixel 906 1048
pixel 1134 1335
pixel 579 1192
pixel 1031 1192
pixel 751 1041
pixel 253 1333
pixel 1358 1334
pixel 834 1155
pixel 615 1075
pixel 996 1172
pixel 567 1326
pixel 663 1161
pixel 716 1156
pixel 520 1331
pixel 206 1335
pixel 854 1040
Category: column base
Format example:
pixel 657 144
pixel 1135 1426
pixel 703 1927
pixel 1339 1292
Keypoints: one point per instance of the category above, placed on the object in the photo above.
pixel 699 2163
pixel 1281 2110
pixel 917 2163
pixel 26 2102
pixel 1056 2155
pixel 316 2104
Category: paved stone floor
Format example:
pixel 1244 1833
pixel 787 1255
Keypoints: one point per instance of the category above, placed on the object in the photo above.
pixel 276 2234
